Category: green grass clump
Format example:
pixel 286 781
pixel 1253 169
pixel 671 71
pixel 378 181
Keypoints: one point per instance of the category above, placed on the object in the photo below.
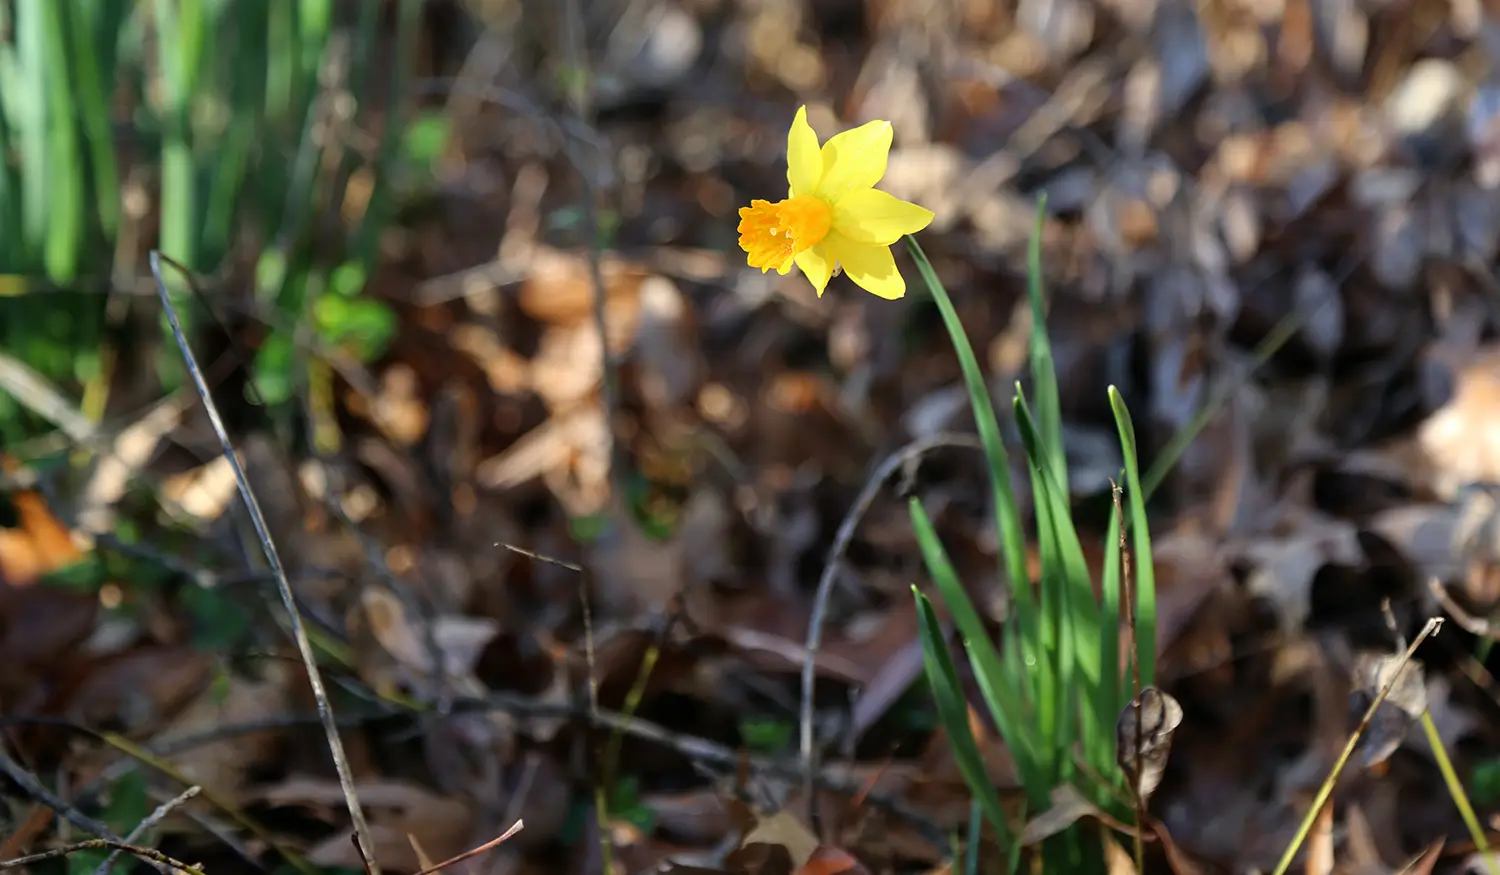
pixel 1053 684
pixel 267 134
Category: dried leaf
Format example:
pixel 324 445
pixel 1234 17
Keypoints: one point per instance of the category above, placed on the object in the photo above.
pixel 399 813
pixel 1143 738
pixel 783 830
pixel 220 767
pixel 1400 709
pixel 40 545
pixel 1068 807
pixel 832 861
pixel 459 640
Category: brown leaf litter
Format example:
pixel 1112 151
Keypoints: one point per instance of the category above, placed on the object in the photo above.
pixel 1216 172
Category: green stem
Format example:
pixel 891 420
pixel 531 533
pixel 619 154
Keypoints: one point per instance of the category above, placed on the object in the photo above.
pixel 1456 790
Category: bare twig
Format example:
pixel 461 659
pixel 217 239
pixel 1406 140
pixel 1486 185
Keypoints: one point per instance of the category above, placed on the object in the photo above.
pixel 34 393
pixel 537 557
pixel 697 749
pixel 500 839
pixel 151 820
pixel 831 565
pixel 1468 622
pixel 577 61
pixel 1325 791
pixel 288 600
pixel 156 859
pixel 35 790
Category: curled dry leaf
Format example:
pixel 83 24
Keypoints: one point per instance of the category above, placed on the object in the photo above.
pixel 1400 709
pixel 1143 738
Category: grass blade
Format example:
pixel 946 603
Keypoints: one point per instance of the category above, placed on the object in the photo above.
pixel 954 713
pixel 1004 700
pixel 179 41
pixel 367 237
pixel 1023 639
pixel 1067 584
pixel 1043 369
pixel 1140 530
pixel 91 34
pixel 1007 513
pixel 13 249
pixel 26 96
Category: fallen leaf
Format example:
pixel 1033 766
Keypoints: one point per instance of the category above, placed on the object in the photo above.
pixel 1143 738
pixel 220 766
pixel 1068 806
pixel 40 545
pixel 139 689
pixel 1397 712
pixel 459 640
pixel 398 812
pixel 781 830
pixel 831 861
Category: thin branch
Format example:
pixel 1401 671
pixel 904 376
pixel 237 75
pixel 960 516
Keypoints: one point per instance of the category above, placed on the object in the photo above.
pixel 831 565
pixel 1468 622
pixel 500 839
pixel 537 557
pixel 35 790
pixel 151 820
pixel 288 600
pixel 699 750
pixel 156 859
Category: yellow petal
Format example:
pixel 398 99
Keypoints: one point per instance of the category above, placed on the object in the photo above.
pixel 804 164
pixel 872 268
pixel 869 215
pixel 855 159
pixel 817 266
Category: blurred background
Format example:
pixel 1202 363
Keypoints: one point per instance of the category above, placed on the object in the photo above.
pixel 506 511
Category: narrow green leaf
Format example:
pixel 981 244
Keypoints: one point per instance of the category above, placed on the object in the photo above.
pixel 26 100
pixel 367 237
pixel 1140 530
pixel 14 255
pixel 953 711
pixel 178 46
pixel 1072 567
pixel 1043 370
pixel 1008 518
pixel 93 54
pixel 65 192
pixel 1002 695
pixel 1110 687
pixel 1012 538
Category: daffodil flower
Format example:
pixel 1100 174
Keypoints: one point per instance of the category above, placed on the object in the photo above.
pixel 833 217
